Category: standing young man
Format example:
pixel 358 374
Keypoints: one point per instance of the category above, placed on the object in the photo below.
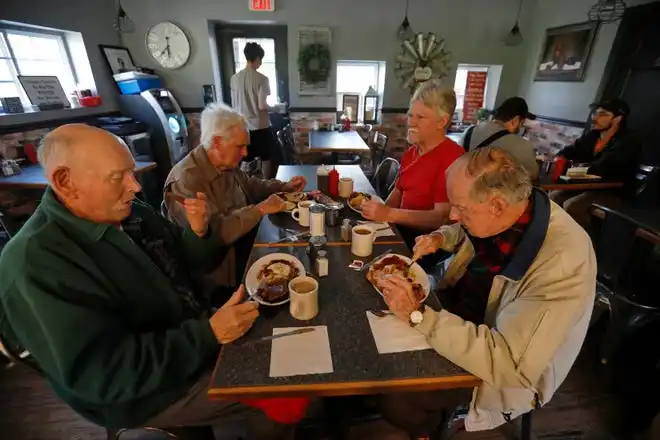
pixel 249 90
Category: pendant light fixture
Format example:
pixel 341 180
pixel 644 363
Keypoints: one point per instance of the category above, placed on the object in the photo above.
pixel 405 32
pixel 123 22
pixel 514 37
pixel 607 11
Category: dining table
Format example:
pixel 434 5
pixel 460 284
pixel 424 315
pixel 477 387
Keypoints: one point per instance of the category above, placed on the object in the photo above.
pixel 278 227
pixel 337 142
pixel 548 184
pixel 244 368
pixel 32 176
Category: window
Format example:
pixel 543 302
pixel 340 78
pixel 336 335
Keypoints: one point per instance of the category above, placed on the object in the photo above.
pixel 33 52
pixel 355 77
pixel 267 65
pixel 461 83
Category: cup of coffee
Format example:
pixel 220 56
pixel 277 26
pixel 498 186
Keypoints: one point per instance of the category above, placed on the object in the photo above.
pixel 301 213
pixel 363 238
pixel 304 294
pixel 345 187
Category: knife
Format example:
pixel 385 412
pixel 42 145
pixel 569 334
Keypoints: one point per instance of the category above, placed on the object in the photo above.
pixel 375 259
pixel 299 331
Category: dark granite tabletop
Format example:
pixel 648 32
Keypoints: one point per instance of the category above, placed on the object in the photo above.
pixel 32 176
pixel 344 297
pixel 278 226
pixel 336 142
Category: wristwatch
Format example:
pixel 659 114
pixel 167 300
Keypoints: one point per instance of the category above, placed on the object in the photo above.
pixel 417 316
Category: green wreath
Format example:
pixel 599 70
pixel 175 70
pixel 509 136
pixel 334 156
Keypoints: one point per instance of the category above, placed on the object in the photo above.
pixel 314 63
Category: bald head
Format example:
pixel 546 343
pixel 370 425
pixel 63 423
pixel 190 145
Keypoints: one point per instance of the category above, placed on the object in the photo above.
pixel 91 171
pixel 73 145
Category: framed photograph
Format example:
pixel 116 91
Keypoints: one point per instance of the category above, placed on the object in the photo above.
pixel 350 104
pixel 118 58
pixel 565 52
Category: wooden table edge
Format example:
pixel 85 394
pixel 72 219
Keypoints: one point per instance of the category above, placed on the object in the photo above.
pixel 583 186
pixel 148 167
pixel 334 243
pixel 348 388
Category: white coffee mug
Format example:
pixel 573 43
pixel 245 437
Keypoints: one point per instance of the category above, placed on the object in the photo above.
pixel 345 187
pixel 304 294
pixel 363 238
pixel 301 213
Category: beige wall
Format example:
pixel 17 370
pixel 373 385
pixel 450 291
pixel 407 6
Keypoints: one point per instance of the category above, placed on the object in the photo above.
pixel 362 30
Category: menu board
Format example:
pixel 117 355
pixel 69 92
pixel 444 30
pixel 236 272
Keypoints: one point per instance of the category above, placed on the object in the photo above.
pixel 44 90
pixel 474 95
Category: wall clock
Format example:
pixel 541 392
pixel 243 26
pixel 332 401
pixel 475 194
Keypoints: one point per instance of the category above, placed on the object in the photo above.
pixel 422 58
pixel 168 45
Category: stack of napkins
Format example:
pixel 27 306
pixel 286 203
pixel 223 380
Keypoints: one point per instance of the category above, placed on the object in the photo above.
pixel 307 353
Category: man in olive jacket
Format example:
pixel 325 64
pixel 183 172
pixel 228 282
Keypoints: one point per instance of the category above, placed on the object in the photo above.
pixel 98 288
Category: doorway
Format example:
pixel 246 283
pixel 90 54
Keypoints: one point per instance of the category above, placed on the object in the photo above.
pixel 231 39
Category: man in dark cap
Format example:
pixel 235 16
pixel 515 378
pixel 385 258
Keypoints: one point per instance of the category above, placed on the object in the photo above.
pixel 502 132
pixel 612 152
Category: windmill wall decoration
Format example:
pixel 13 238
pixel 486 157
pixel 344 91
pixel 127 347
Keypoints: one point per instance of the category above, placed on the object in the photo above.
pixel 422 58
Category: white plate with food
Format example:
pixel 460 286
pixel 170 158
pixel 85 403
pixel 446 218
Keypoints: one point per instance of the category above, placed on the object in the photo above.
pixel 292 199
pixel 391 265
pixel 356 200
pixel 267 280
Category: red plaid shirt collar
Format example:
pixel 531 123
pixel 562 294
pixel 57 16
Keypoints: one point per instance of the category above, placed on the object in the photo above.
pixel 492 254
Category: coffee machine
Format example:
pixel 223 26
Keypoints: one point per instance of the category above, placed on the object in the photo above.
pixel 158 109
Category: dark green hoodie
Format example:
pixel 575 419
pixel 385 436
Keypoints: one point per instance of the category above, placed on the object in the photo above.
pixel 99 317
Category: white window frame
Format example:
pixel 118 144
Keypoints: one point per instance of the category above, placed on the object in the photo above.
pixel 379 86
pixel 15 70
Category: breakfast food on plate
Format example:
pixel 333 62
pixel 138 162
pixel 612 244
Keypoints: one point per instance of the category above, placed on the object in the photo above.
pixel 274 279
pixel 357 199
pixel 393 265
pixel 295 197
pixel 289 206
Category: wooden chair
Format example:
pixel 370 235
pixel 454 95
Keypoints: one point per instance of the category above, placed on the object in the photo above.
pixel 19 356
pixel 647 187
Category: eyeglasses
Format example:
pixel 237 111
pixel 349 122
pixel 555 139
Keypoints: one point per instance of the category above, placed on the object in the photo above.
pixel 601 113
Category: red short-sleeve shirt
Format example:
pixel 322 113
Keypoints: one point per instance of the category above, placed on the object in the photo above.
pixel 422 179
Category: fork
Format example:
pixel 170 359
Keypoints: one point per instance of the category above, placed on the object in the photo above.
pixel 380 313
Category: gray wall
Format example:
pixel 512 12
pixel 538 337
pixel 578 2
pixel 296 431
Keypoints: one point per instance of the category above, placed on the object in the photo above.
pixel 566 100
pixel 362 29
pixel 94 20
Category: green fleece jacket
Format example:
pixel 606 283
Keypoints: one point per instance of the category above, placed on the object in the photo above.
pixel 100 318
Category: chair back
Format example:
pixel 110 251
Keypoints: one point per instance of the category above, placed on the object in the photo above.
pixel 285 159
pixel 647 187
pixel 289 143
pixel 385 177
pixel 378 147
pixel 614 247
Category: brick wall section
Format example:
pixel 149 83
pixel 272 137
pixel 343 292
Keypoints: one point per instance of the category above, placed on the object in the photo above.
pixel 303 123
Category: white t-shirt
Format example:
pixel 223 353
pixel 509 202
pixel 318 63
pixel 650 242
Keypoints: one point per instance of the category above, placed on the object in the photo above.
pixel 246 86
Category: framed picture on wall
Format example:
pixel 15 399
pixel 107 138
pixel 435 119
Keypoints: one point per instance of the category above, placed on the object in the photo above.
pixel 350 105
pixel 118 58
pixel 565 52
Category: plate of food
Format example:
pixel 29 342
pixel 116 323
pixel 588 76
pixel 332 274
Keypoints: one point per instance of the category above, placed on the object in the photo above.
pixel 267 280
pixel 396 265
pixel 356 200
pixel 292 199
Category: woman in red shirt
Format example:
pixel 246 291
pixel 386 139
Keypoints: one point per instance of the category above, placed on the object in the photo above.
pixel 419 201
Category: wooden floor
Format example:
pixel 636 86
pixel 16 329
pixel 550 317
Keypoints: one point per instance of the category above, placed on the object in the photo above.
pixel 580 410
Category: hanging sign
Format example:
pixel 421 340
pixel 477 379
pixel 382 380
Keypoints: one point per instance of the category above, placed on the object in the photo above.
pixel 474 95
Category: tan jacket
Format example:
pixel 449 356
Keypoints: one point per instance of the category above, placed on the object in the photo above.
pixel 536 319
pixel 232 197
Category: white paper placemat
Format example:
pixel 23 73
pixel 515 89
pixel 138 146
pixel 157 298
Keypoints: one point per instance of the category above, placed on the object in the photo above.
pixel 308 353
pixel 392 335
pixel 384 233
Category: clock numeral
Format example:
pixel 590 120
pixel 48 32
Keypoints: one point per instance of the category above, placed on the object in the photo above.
pixel 153 37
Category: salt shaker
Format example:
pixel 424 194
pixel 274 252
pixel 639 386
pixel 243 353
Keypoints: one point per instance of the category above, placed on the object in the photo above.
pixel 346 230
pixel 321 263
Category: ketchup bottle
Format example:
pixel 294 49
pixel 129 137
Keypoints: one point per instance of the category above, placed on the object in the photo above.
pixel 559 167
pixel 334 183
